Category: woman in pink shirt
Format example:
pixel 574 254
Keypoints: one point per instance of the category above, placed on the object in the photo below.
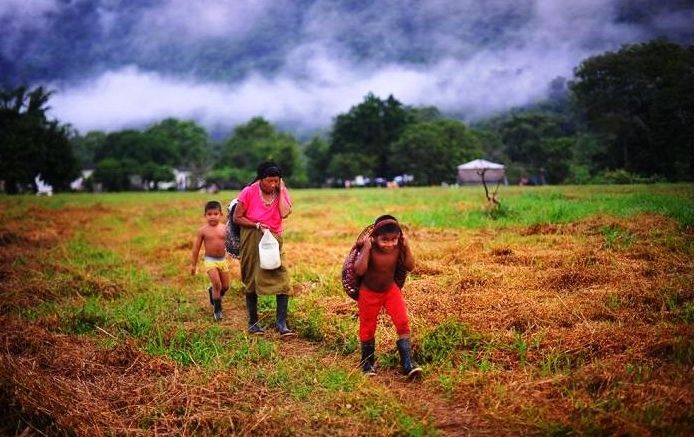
pixel 262 205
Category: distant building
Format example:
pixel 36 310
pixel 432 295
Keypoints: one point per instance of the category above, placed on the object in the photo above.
pixel 470 172
pixel 183 179
pixel 79 184
pixel 42 188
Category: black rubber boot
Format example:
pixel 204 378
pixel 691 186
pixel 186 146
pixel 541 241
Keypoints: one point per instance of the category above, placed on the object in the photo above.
pixel 282 306
pixel 367 360
pixel 407 367
pixel 217 310
pixel 251 303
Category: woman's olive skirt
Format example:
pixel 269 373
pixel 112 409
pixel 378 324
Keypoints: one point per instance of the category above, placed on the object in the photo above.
pixel 255 279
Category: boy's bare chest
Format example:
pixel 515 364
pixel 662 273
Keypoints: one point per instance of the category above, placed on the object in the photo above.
pixel 384 260
pixel 214 233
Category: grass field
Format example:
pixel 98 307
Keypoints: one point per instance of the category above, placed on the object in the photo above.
pixel 567 312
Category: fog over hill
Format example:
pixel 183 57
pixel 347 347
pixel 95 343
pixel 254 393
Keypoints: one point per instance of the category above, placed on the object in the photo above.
pixel 118 63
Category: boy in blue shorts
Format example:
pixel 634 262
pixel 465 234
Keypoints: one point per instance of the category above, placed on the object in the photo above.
pixel 212 235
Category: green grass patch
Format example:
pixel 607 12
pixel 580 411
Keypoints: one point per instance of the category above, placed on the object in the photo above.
pixel 87 318
pixel 556 362
pixel 615 237
pixel 441 343
pixel 464 207
pixel 309 325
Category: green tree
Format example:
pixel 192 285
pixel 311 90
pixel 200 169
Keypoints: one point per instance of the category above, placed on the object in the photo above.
pixel 318 158
pixel 557 158
pixel 138 155
pixel 348 165
pixel 587 156
pixel 189 142
pixel 640 102
pixel 431 151
pixel 492 146
pixel 418 114
pixel 133 144
pixel 85 147
pixel 152 172
pixel 258 141
pixel 369 129
pixel 30 144
pixel 110 173
pixel 538 142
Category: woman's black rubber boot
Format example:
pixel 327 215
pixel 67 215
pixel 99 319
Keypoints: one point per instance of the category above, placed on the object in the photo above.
pixel 281 322
pixel 251 303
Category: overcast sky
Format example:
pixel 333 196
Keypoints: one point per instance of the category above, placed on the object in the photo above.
pixel 476 57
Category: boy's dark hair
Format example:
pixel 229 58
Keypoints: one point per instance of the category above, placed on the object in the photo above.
pixel 212 204
pixel 386 224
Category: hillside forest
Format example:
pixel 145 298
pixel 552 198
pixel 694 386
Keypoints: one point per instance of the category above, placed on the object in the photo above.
pixel 624 117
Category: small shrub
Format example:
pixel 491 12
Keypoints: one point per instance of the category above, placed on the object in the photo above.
pixel 497 212
pixel 447 384
pixel 555 362
pixel 441 343
pixel 412 427
pixel 338 380
pixel 309 326
pixel 615 237
pixel 612 301
pixel 620 177
pixel 373 411
pixel 90 315
pixel 520 344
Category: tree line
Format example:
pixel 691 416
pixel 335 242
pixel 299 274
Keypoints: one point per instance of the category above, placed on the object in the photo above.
pixel 626 116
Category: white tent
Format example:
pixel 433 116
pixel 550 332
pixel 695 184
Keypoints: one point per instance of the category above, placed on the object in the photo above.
pixel 470 172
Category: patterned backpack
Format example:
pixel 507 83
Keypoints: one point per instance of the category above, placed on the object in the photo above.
pixel 233 233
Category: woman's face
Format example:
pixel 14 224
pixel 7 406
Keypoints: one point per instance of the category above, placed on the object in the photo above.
pixel 270 184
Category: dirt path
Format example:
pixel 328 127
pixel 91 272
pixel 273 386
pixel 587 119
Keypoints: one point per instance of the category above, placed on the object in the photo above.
pixel 448 417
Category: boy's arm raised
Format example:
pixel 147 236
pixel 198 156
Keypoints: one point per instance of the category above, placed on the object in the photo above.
pixel 362 262
pixel 409 262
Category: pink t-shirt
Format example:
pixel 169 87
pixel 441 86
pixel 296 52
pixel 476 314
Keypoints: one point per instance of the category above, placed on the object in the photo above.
pixel 257 211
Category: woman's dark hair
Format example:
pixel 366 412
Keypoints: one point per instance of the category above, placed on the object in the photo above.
pixel 385 224
pixel 267 169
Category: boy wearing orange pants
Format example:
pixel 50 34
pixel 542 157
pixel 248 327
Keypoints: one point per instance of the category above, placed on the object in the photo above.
pixel 382 251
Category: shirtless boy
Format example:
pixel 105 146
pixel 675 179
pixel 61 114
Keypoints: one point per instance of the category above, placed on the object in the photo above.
pixel 382 252
pixel 212 235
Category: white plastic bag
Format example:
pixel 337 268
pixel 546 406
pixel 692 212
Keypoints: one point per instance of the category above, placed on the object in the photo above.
pixel 269 251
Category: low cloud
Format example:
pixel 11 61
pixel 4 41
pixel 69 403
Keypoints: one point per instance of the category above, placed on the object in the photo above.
pixel 478 87
pixel 486 83
pixel 445 54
